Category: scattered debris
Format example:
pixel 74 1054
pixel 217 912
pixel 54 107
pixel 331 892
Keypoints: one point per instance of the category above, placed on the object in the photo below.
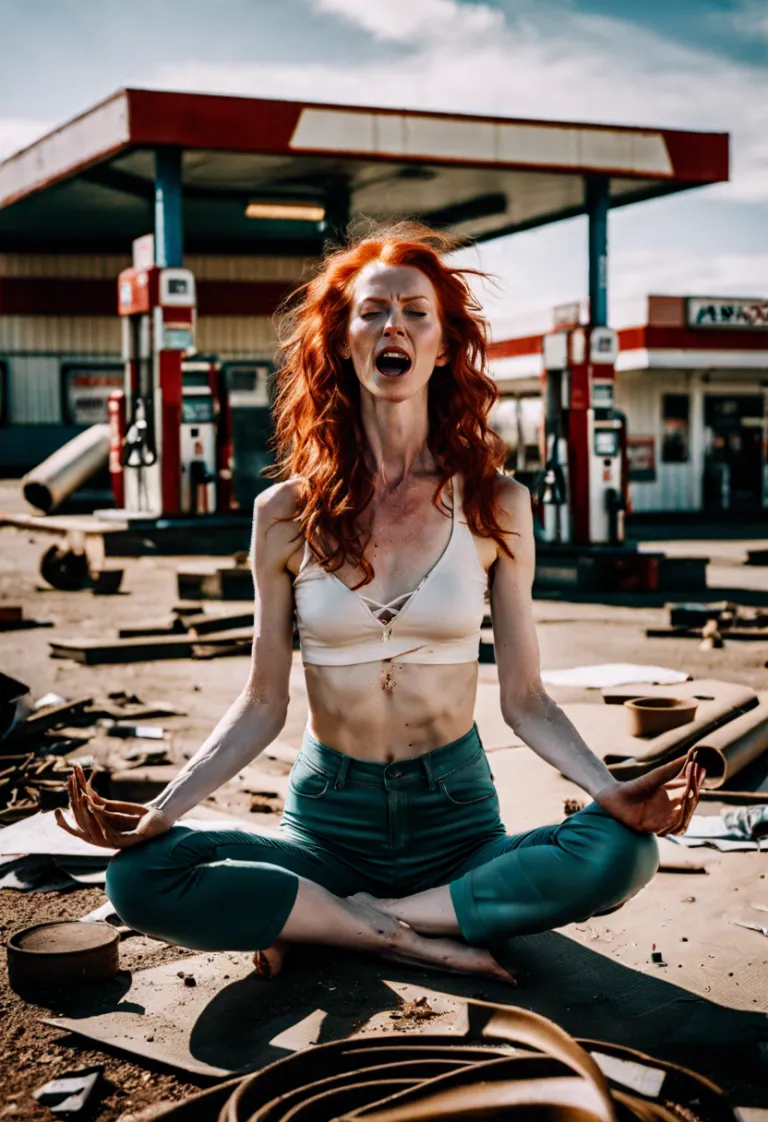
pixel 107 914
pixel 657 957
pixel 12 619
pixel 106 582
pixel 132 732
pixel 266 802
pixel 712 623
pixel 65 569
pixel 742 828
pixel 418 1010
pixel 751 926
pixel 224 582
pixel 572 806
pixel 34 874
pixel 711 639
pixel 94 652
pixel 15 703
pixel 71 1092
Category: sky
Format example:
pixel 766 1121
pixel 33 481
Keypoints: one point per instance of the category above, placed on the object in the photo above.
pixel 694 64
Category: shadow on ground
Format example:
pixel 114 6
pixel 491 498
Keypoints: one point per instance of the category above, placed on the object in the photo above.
pixel 325 995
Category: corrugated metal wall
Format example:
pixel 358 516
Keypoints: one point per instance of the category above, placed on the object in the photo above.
pixel 236 336
pixel 62 265
pixel 66 335
pixel 34 347
pixel 109 265
pixel 677 486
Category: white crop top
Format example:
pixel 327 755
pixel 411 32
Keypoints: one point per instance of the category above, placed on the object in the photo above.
pixel 439 622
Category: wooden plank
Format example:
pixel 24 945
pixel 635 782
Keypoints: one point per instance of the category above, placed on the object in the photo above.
pixel 49 718
pixel 164 625
pixel 93 652
pixel 205 624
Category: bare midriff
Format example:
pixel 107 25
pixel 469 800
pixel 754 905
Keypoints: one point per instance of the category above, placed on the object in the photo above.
pixel 389 710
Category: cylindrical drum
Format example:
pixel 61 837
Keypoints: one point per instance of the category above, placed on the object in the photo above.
pixel 68 468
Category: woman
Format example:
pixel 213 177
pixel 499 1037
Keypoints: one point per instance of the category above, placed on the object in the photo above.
pixel 390 523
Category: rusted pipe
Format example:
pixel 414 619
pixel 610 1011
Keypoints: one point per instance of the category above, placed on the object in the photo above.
pixel 52 481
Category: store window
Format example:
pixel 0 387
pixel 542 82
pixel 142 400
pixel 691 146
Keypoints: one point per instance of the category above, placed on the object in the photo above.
pixel 86 390
pixel 675 428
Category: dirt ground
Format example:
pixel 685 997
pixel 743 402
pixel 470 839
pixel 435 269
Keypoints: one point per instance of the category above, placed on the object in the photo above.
pixel 570 633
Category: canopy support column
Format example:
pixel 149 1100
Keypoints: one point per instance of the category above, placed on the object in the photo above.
pixel 169 229
pixel 598 202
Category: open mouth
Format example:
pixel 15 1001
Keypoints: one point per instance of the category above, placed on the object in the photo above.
pixel 393 363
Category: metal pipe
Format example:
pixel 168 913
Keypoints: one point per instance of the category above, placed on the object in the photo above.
pixel 47 485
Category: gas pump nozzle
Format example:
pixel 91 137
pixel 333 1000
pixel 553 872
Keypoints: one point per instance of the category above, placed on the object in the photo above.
pixel 139 449
pixel 552 489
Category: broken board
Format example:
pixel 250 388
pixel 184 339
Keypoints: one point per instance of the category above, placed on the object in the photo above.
pixel 95 652
pixel 230 1021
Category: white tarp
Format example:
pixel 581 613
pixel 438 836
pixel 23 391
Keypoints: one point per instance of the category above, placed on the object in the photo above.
pixel 610 674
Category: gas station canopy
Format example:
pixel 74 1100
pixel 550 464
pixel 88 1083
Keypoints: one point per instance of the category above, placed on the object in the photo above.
pixel 91 184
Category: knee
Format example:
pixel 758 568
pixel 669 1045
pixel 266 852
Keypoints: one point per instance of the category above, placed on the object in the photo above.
pixel 133 883
pixel 623 863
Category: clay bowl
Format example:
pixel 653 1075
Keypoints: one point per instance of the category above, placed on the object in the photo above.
pixel 62 953
pixel 649 716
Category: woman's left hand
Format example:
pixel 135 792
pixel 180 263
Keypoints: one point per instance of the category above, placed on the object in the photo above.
pixel 660 802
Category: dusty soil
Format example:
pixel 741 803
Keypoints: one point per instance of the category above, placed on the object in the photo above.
pixel 34 1053
pixel 569 633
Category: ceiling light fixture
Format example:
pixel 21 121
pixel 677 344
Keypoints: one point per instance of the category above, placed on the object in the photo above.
pixel 295 212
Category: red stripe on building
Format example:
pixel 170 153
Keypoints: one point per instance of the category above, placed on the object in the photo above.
pixel 54 296
pixel 651 337
pixel 688 339
pixel 509 348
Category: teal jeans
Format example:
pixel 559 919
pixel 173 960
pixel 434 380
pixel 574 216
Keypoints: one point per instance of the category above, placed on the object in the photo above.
pixel 390 830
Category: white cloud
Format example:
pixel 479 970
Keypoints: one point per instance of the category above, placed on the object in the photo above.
pixel 403 21
pixel 665 271
pixel 546 61
pixel 18 132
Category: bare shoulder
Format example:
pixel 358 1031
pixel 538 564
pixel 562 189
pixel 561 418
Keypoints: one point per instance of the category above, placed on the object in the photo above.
pixel 278 501
pixel 275 533
pixel 513 505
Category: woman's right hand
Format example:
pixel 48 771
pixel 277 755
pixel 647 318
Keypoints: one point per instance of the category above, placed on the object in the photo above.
pixel 108 822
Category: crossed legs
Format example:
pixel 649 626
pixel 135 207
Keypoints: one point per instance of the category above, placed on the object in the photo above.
pixel 535 881
pixel 229 890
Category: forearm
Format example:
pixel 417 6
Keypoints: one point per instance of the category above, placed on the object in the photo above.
pixel 244 731
pixel 544 727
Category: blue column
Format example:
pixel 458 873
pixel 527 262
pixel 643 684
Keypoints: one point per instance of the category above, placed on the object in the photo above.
pixel 169 233
pixel 598 202
pixel 337 215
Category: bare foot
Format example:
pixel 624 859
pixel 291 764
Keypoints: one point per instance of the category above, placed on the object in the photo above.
pixel 447 955
pixel 269 962
pixel 444 954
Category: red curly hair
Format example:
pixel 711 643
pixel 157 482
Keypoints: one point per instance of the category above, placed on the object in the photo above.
pixel 319 437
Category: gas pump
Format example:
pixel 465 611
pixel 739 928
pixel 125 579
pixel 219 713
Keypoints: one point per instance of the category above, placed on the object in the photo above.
pixel 199 424
pixel 157 307
pixel 582 488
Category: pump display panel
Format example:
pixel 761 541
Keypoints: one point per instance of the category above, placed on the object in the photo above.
pixel 606 442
